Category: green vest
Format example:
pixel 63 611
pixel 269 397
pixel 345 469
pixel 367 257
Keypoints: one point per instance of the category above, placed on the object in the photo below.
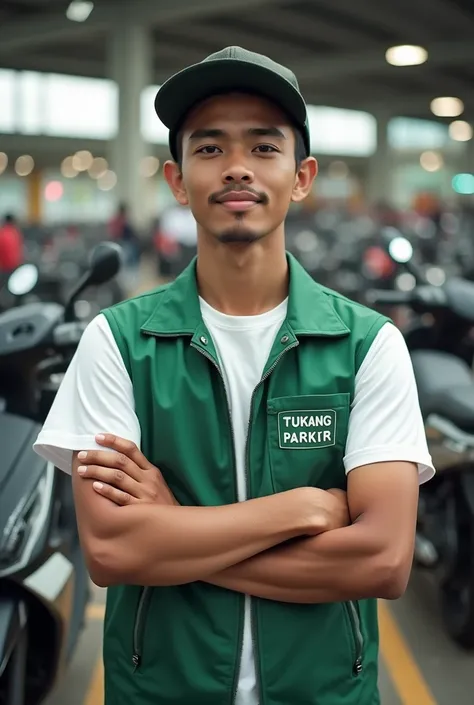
pixel 181 645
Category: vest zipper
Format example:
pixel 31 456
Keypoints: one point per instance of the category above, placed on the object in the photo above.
pixel 229 418
pixel 247 465
pixel 138 627
pixel 353 614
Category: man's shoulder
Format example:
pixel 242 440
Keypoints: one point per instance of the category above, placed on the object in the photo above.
pixel 352 312
pixel 363 323
pixel 136 309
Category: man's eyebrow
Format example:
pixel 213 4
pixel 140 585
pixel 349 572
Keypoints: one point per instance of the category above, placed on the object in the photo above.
pixel 208 133
pixel 267 132
pixel 205 133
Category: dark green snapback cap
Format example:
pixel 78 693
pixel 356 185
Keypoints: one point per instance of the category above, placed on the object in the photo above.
pixel 231 69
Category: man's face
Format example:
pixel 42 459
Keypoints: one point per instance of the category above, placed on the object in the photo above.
pixel 238 169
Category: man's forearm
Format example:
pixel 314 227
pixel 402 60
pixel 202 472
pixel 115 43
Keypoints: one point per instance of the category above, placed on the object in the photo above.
pixel 164 545
pixel 345 564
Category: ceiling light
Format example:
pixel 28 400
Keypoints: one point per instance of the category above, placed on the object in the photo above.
pixel 463 184
pixel 431 161
pixel 460 131
pixel 67 168
pixel 107 181
pixel 82 160
pixel 24 165
pixel 53 191
pixel 149 167
pixel 406 55
pixel 79 10
pixel 447 107
pixel 3 162
pixel 98 168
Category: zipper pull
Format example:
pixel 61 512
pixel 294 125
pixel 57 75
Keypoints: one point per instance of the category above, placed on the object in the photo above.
pixel 135 661
pixel 358 667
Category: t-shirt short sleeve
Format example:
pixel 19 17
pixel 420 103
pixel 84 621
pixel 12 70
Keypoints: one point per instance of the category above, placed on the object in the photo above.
pixel 95 396
pixel 385 422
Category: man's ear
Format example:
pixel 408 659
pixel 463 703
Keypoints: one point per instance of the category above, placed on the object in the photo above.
pixel 304 179
pixel 174 178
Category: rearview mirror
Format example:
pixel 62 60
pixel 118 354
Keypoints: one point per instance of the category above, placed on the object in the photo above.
pixel 105 263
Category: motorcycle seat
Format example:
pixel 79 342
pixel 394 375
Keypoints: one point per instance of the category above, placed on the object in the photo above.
pixel 445 387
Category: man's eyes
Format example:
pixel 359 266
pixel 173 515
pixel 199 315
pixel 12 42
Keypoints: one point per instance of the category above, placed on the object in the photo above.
pixel 213 149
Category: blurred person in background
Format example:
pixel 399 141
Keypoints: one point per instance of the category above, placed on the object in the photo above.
pixel 121 230
pixel 175 239
pixel 11 245
pixel 245 445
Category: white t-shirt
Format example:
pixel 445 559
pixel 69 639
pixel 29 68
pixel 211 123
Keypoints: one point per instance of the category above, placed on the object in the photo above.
pixel 96 396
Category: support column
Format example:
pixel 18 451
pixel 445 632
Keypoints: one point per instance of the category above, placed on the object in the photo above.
pixel 379 184
pixel 469 156
pixel 131 67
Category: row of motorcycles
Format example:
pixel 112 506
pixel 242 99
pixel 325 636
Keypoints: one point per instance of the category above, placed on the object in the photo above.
pixel 439 332
pixel 44 584
pixel 52 261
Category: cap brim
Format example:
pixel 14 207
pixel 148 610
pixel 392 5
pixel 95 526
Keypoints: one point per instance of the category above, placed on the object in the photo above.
pixel 182 91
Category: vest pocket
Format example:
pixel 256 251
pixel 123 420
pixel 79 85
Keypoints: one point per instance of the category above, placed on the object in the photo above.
pixel 139 626
pixel 306 440
pixel 352 612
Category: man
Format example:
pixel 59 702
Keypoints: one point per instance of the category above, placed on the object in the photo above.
pixel 11 245
pixel 242 399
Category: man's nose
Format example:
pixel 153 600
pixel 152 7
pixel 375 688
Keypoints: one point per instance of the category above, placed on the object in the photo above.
pixel 238 173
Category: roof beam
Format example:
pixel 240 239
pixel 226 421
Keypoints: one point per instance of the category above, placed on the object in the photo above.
pixel 348 66
pixel 391 17
pixel 324 69
pixel 48 63
pixel 418 104
pixel 309 27
pixel 50 27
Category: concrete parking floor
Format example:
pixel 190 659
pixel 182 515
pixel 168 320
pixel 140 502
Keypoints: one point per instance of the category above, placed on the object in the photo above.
pixel 419 665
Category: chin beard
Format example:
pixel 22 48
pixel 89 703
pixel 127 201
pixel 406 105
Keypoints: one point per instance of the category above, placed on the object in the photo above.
pixel 238 235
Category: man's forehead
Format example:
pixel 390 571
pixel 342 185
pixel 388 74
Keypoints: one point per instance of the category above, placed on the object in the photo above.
pixel 235 110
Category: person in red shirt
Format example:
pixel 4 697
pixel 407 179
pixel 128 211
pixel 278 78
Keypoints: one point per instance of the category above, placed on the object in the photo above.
pixel 11 245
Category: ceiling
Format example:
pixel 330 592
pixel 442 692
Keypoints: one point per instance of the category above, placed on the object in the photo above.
pixel 336 47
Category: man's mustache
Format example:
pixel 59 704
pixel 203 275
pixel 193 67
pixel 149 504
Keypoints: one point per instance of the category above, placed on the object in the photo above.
pixel 233 188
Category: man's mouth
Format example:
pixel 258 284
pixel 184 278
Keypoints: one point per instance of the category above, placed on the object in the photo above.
pixel 239 200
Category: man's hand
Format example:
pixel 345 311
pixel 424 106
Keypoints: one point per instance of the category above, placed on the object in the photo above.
pixel 338 510
pixel 324 510
pixel 124 476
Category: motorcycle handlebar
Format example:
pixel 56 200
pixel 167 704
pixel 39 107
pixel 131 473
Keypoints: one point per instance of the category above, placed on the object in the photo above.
pixel 387 297
pixel 68 334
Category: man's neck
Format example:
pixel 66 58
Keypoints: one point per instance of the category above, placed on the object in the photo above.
pixel 243 280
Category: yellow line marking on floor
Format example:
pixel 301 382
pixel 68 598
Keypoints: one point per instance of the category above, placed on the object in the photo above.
pixel 407 678
pixel 95 691
pixel 96 612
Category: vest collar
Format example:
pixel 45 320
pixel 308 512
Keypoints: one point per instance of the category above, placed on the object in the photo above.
pixel 309 308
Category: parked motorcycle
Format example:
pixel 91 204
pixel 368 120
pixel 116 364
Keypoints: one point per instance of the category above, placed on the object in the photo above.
pixel 439 337
pixel 44 585
pixel 51 281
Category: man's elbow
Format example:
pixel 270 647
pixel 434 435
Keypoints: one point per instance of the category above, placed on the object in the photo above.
pixel 105 568
pixel 393 576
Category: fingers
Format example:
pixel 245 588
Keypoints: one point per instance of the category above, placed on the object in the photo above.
pixel 113 494
pixel 125 447
pixel 114 477
pixel 106 459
